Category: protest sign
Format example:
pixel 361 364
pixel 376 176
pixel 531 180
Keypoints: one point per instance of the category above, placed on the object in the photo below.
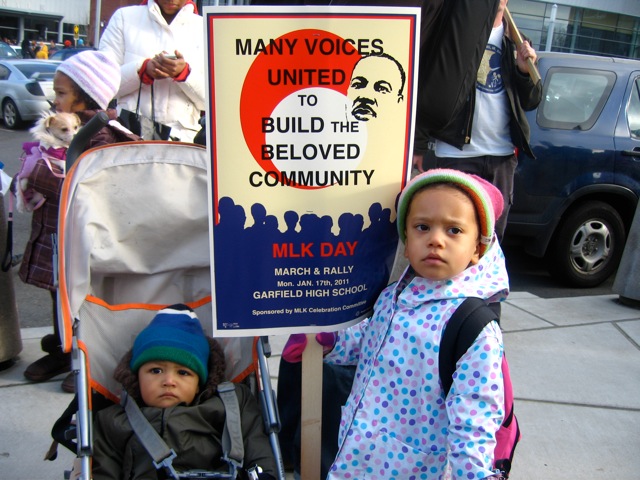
pixel 310 114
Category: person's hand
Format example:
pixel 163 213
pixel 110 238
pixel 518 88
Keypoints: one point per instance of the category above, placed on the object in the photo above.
pixel 151 70
pixel 327 340
pixel 525 51
pixel 418 162
pixel 297 342
pixel 163 65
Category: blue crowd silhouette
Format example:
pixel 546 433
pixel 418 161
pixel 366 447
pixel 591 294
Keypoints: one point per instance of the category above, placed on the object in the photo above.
pixel 246 257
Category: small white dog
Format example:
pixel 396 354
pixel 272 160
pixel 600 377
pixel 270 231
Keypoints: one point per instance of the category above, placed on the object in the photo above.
pixel 56 130
pixel 53 133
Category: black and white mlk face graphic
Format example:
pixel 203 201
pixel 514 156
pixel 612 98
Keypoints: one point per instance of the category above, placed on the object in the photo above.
pixel 376 87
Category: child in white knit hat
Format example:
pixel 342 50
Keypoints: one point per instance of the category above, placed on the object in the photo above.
pixel 84 84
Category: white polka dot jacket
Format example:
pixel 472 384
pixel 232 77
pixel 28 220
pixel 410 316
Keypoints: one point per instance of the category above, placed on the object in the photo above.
pixel 397 423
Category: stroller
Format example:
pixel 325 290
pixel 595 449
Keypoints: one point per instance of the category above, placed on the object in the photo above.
pixel 133 238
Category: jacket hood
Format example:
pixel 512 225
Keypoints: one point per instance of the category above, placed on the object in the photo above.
pixel 488 279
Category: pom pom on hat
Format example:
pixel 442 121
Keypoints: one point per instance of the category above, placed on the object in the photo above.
pixel 174 335
pixel 486 199
pixel 96 73
pixel 67 43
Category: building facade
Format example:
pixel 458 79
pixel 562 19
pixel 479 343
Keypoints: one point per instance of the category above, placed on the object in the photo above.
pixel 56 20
pixel 582 26
pixel 591 27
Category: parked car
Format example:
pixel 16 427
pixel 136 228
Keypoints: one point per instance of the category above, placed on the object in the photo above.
pixel 65 53
pixel 7 51
pixel 574 203
pixel 26 90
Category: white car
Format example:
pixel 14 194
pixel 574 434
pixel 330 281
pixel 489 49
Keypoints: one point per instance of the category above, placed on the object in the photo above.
pixel 9 51
pixel 26 90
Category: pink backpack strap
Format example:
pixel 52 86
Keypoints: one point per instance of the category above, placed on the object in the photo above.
pixel 508 434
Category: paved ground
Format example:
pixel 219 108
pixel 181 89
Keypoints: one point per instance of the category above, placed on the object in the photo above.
pixel 576 370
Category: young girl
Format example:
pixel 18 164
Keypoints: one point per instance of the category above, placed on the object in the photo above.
pixel 173 372
pixel 397 423
pixel 84 84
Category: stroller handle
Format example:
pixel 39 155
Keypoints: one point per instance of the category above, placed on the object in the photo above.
pixel 83 136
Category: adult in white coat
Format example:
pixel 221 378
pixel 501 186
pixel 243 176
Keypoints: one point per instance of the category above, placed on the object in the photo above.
pixel 160 44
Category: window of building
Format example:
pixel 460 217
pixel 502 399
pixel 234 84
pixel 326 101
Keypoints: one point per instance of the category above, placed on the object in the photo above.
pixel 577 30
pixel 9 28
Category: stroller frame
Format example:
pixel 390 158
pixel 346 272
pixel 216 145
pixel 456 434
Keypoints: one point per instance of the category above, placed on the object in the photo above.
pixel 104 286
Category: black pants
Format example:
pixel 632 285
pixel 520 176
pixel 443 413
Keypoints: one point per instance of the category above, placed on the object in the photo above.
pixel 336 386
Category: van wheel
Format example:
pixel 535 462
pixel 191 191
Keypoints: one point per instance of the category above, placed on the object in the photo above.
pixel 588 245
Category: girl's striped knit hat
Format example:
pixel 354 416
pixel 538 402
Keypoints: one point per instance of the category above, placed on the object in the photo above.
pixel 486 198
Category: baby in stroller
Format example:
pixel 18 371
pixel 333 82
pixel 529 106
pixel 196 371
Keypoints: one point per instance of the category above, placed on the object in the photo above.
pixel 172 373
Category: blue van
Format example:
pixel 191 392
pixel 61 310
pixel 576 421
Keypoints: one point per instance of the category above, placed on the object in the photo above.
pixel 574 203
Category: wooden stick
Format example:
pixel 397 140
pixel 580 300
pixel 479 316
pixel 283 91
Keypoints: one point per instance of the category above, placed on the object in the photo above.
pixel 311 410
pixel 517 38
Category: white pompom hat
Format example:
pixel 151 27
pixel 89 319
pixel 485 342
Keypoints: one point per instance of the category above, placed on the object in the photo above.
pixel 96 73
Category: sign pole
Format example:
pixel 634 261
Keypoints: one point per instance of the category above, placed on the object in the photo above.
pixel 97 23
pixel 517 38
pixel 311 410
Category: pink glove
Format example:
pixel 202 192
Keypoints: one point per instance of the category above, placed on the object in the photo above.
pixel 297 342
pixel 294 347
pixel 327 340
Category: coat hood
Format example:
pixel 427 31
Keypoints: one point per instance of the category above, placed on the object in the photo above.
pixel 488 279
